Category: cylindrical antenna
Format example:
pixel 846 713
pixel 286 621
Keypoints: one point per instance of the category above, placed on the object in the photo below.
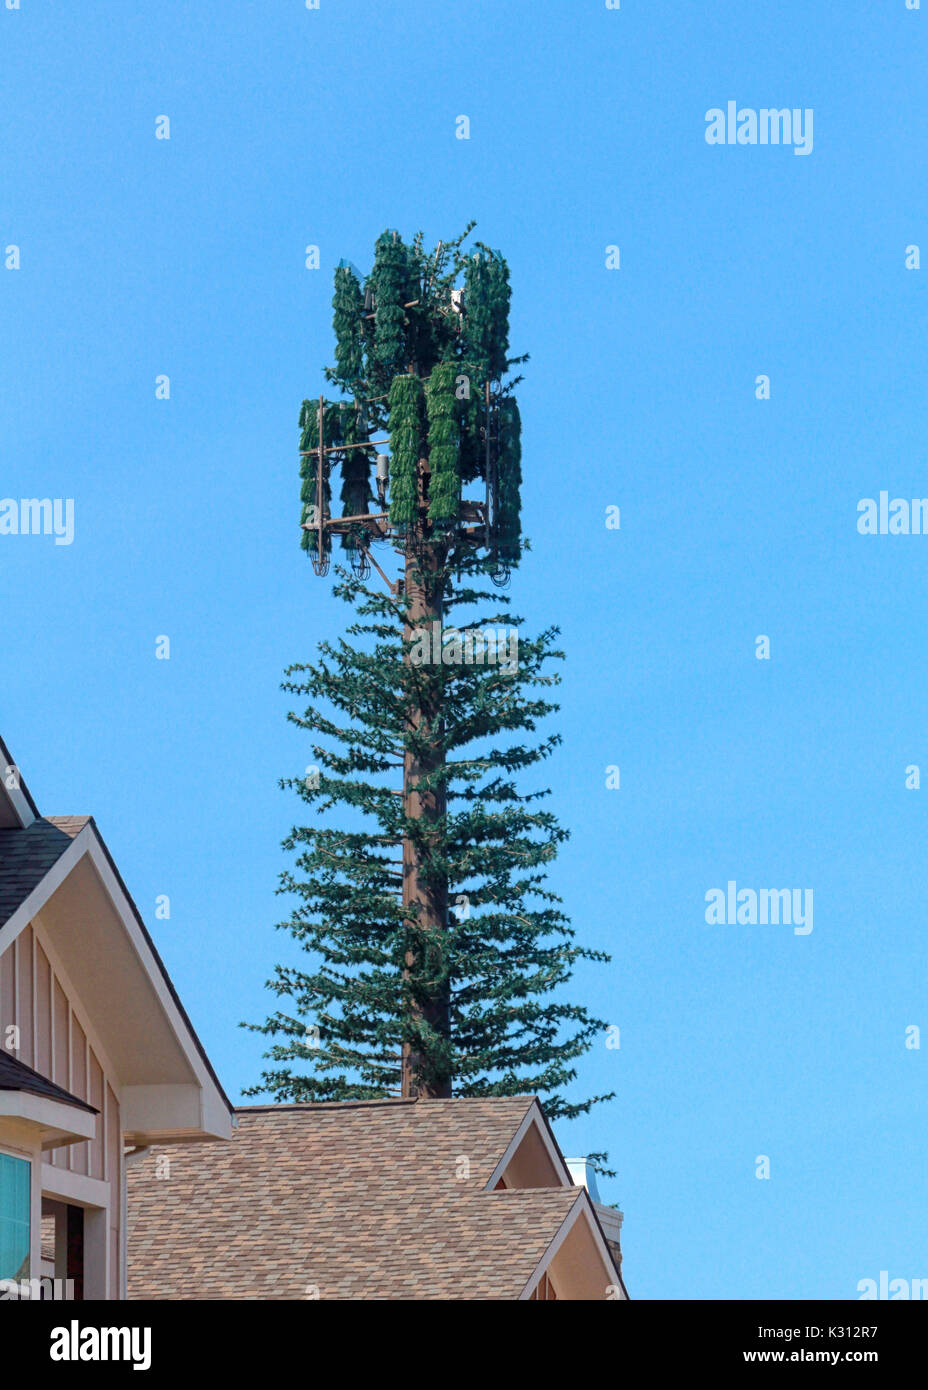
pixel 382 474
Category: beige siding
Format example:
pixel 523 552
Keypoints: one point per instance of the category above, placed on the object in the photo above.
pixel 97 1151
pixel 43 1013
pixel 23 949
pixel 80 1087
pixel 7 994
pixel 61 1070
pixel 53 1041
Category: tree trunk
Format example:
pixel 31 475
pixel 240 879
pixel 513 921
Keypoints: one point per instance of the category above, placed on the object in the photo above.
pixel 430 1003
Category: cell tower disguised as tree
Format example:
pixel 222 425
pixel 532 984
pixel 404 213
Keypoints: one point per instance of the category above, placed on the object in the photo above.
pixel 438 949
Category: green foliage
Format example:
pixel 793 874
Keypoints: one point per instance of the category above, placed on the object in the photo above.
pixel 390 282
pixel 444 445
pixel 508 950
pixel 486 297
pixel 348 304
pixel 509 480
pixel 484 347
pixel 407 443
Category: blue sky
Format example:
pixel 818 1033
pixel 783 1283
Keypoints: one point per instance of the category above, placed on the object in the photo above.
pixel 738 518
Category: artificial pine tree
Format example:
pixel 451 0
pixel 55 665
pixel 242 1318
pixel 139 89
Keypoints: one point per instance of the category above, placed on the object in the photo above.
pixel 444 445
pixel 438 951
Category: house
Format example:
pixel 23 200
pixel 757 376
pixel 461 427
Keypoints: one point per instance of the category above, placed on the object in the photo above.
pixel 97 1056
pixel 393 1199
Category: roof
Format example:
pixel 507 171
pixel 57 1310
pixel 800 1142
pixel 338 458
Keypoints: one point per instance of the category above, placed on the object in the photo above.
pixel 26 855
pixel 16 1076
pixel 372 1200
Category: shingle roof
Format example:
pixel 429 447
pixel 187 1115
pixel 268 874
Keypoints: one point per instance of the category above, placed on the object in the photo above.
pixel 368 1201
pixel 16 1076
pixel 27 855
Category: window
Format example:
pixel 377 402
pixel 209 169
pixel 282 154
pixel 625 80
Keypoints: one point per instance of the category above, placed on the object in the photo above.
pixel 543 1291
pixel 15 1202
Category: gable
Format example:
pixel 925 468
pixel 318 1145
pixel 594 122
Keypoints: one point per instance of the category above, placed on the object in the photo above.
pixel 58 881
pixel 578 1264
pixel 532 1157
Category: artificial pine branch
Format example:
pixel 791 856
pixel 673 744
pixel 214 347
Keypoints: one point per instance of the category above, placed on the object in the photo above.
pixel 407 434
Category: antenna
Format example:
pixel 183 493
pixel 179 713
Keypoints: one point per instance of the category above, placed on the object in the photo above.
pixel 476 530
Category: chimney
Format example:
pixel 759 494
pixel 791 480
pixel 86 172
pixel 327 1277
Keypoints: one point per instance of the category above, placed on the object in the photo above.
pixel 610 1218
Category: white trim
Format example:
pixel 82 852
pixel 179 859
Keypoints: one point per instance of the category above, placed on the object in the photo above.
pixel 97 1253
pixel 533 1116
pixel 63 1123
pixel 75 1188
pixel 17 799
pixel 17 1011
